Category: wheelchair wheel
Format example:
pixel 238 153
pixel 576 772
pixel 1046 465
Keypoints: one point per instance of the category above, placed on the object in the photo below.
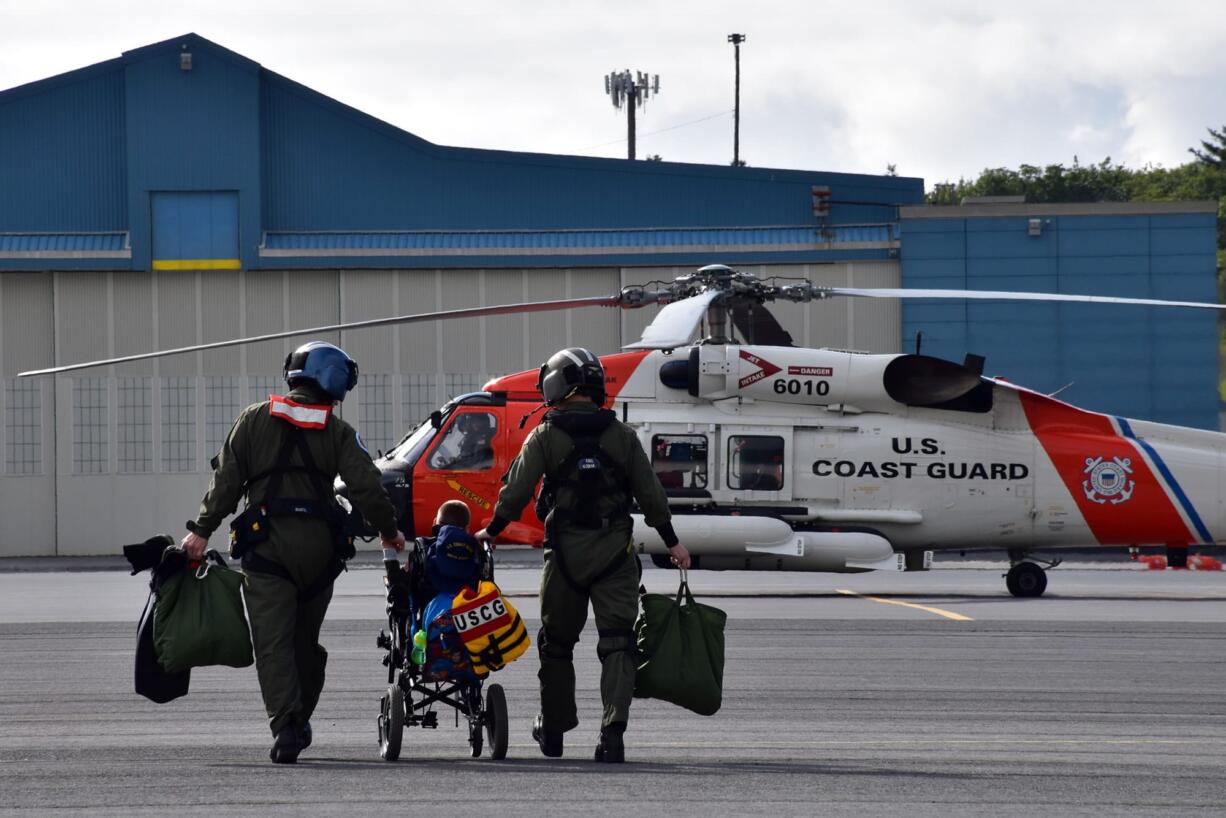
pixel 495 718
pixel 391 723
pixel 476 719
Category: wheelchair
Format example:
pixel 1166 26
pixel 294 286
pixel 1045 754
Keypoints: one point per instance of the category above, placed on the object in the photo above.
pixel 415 691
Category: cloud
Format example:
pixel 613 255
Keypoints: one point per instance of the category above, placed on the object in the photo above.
pixel 941 89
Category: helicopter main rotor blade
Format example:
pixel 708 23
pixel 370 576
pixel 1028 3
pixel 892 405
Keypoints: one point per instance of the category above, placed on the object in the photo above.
pixel 1004 295
pixel 675 322
pixel 472 312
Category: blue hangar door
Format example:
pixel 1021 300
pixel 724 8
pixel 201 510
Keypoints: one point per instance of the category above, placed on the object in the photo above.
pixel 195 231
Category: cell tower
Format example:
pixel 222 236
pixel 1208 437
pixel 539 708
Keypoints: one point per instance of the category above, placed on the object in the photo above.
pixel 632 91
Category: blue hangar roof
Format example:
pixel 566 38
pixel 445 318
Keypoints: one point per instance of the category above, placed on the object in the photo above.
pixel 186 153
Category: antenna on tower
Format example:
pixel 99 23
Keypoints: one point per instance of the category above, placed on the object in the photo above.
pixel 631 91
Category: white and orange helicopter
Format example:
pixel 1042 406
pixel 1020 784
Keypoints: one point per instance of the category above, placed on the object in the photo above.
pixel 777 457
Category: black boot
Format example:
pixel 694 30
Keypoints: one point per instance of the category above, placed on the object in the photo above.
pixel 549 740
pixel 286 745
pixel 304 736
pixel 611 749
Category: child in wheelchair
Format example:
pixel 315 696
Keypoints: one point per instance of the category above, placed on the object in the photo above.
pixel 427 661
pixel 439 567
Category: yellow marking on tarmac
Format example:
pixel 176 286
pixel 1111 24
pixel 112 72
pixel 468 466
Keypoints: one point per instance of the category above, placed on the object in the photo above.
pixel 957 617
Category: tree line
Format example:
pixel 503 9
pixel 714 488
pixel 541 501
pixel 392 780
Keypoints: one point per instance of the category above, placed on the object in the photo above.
pixel 1203 178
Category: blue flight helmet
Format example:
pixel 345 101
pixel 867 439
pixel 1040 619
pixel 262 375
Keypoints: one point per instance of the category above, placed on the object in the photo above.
pixel 326 365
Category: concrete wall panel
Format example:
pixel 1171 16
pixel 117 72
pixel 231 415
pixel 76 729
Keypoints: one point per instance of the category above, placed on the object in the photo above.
pixel 177 320
pixel 221 319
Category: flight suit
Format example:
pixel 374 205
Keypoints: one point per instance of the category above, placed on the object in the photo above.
pixel 285 628
pixel 582 564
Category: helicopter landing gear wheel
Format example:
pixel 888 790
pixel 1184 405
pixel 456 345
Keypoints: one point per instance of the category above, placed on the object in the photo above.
pixel 391 723
pixel 495 718
pixel 1026 579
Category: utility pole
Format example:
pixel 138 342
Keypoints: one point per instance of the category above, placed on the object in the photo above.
pixel 736 40
pixel 632 91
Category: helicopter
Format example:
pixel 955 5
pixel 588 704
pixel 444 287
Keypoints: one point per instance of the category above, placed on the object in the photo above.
pixel 781 458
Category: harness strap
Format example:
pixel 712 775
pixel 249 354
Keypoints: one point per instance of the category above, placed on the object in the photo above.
pixel 492 655
pixel 269 472
pixel 288 444
pixel 308 507
pixel 587 445
pixel 262 565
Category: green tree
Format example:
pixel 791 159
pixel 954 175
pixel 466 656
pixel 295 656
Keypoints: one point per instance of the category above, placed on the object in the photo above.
pixel 1104 182
pixel 1212 162
pixel 1204 179
pixel 1214 152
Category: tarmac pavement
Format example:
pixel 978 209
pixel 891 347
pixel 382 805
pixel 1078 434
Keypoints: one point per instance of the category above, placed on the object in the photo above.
pixel 843 695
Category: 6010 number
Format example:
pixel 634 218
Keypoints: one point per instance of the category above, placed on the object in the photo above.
pixel 794 386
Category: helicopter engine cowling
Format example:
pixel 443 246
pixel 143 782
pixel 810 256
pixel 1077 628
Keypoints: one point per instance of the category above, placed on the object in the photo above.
pixel 748 543
pixel 819 377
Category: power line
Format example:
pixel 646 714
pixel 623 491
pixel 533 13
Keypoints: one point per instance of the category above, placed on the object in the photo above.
pixel 662 130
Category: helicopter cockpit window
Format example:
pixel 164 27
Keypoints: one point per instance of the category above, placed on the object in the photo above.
pixel 680 461
pixel 468 444
pixel 412 444
pixel 755 463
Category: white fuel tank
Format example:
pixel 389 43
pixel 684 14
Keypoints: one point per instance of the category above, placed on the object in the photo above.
pixel 766 544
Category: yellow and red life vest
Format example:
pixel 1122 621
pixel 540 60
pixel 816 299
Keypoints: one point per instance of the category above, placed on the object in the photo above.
pixel 489 626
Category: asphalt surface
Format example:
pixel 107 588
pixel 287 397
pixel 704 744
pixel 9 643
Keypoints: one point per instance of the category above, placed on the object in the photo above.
pixel 930 694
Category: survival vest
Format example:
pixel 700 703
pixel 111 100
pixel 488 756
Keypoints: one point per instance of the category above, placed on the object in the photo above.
pixel 250 528
pixel 490 627
pixel 589 476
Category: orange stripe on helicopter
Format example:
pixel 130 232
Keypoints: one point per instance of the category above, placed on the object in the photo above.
pixel 1122 500
pixel 617 369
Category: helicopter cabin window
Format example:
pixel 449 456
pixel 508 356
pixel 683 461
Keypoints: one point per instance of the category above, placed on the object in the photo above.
pixel 468 444
pixel 755 463
pixel 680 461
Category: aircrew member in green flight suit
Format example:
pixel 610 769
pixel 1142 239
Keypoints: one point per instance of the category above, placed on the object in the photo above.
pixel 593 466
pixel 284 454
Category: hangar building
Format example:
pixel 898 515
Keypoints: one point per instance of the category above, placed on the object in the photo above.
pixel 181 194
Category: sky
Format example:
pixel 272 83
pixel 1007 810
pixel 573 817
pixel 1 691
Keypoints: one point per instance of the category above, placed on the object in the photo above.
pixel 939 89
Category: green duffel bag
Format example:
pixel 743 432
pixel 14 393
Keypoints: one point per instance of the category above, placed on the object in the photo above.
pixel 199 618
pixel 681 651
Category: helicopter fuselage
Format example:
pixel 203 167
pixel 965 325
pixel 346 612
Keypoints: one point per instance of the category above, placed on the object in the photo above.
pixel 798 459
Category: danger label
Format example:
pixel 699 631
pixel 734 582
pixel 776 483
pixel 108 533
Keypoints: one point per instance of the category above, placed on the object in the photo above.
pixel 812 371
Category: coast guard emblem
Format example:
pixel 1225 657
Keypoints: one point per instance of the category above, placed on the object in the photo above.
pixel 1108 480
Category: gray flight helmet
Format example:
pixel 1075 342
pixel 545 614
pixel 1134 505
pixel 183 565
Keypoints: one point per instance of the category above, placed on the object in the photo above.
pixel 569 371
